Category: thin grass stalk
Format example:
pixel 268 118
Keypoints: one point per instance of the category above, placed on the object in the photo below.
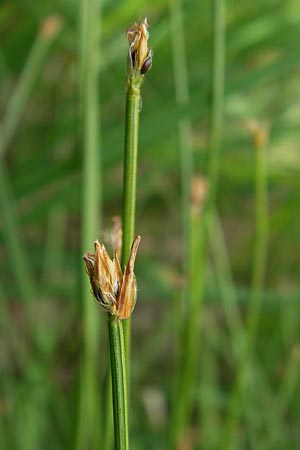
pixel 189 353
pixel 107 421
pixel 11 231
pixel 210 414
pixel 186 331
pixel 254 414
pixel 180 72
pixel 17 102
pixel 233 319
pixel 116 292
pixel 261 237
pixel 54 245
pixel 193 244
pixel 119 382
pixel 284 397
pixel 259 268
pixel 88 429
pixel 57 218
pixel 219 49
pixel 132 112
pixel 49 30
pixel 139 61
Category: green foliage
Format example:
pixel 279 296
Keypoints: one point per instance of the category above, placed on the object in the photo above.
pixel 41 219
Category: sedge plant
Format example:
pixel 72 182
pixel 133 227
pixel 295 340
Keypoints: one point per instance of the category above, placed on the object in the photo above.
pixel 192 226
pixel 139 62
pixel 113 283
pixel 27 415
pixel 260 139
pixel 89 395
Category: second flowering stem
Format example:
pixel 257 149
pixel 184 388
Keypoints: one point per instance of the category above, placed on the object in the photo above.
pixel 139 62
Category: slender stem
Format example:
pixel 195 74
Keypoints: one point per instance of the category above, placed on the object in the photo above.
pixel 193 246
pixel 11 120
pixel 184 126
pixel 48 32
pixel 235 326
pixel 261 241
pixel 189 350
pixel 218 97
pixel 133 106
pixel 11 230
pixel 88 430
pixel 253 313
pixel 107 422
pixel 119 382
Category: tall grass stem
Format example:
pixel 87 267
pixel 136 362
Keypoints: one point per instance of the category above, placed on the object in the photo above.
pixel 88 430
pixel 132 112
pixel 260 243
pixel 219 51
pixel 254 308
pixel 192 242
pixel 48 32
pixel 119 382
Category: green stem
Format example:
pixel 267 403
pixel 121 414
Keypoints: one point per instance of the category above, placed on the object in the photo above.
pixel 119 382
pixel 261 239
pixel 184 126
pixel 11 120
pixel 16 252
pixel 189 351
pixel 88 429
pixel 193 248
pixel 107 422
pixel 48 32
pixel 219 11
pixel 133 106
pixel 259 266
pixel 11 229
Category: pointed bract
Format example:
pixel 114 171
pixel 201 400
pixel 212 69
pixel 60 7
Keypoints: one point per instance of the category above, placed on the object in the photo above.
pixel 114 291
pixel 127 297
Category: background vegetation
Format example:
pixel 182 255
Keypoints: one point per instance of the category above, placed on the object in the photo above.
pixel 242 396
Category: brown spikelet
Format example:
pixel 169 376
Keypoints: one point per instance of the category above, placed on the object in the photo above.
pixel 113 290
pixel 127 297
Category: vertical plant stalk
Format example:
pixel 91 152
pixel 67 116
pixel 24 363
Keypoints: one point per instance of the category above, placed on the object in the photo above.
pixel 219 39
pixel 139 62
pixel 88 429
pixel 241 385
pixel 180 72
pixel 116 293
pixel 49 30
pixel 193 246
pixel 119 382
pixel 132 112
pixel 261 235
pixel 11 232
pixel 188 351
pixel 29 412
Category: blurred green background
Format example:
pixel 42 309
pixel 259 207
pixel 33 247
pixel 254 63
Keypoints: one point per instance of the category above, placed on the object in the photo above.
pixel 41 150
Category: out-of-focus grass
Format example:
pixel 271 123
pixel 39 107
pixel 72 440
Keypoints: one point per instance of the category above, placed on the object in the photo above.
pixel 262 72
pixel 87 429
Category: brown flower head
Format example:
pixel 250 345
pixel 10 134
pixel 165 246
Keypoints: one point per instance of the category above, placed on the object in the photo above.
pixel 259 132
pixel 140 55
pixel 115 291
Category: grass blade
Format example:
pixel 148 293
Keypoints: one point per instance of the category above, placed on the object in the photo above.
pixel 88 430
